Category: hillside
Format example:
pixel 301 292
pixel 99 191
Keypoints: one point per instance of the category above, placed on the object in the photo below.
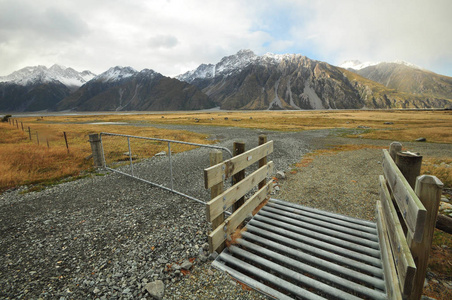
pixel 292 81
pixel 409 79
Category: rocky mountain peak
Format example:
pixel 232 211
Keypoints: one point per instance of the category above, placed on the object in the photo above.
pixel 116 74
pixel 41 74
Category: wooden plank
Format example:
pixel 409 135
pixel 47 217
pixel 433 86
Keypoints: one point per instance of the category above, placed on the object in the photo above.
pixel 389 269
pixel 226 169
pixel 411 208
pixel 429 189
pixel 220 234
pixel 404 263
pixel 239 148
pixel 262 161
pixel 216 156
pixel 220 203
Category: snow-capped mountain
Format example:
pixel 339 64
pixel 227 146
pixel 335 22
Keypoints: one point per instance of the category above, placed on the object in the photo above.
pixel 293 81
pixel 124 88
pixel 116 74
pixel 230 65
pixel 233 64
pixel 41 74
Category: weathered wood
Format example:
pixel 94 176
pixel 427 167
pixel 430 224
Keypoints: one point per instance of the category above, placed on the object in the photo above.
pixel 444 223
pixel 216 174
pixel 392 284
pixel 96 149
pixel 428 189
pixel 216 157
pixel 411 208
pixel 220 203
pixel 65 140
pixel 220 234
pixel 410 165
pixel 262 161
pixel 406 268
pixel 394 148
pixel 239 148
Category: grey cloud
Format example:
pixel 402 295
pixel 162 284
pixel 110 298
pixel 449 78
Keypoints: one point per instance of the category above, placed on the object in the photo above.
pixel 163 41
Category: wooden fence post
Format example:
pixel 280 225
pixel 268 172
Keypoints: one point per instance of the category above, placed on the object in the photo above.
pixel 37 137
pixel 239 148
pixel 22 125
pixel 17 124
pixel 216 156
pixel 96 148
pixel 428 189
pixel 262 161
pixel 29 133
pixel 65 139
pixel 410 165
pixel 394 147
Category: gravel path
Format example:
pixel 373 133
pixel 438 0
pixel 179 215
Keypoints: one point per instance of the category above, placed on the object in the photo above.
pixel 106 237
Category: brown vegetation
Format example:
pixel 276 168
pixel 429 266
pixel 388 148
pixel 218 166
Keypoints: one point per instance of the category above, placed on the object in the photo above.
pixel 23 161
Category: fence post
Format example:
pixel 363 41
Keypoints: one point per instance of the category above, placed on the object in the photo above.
pixel 262 161
pixel 216 156
pixel 37 137
pixel 239 148
pixel 65 139
pixel 29 133
pixel 410 165
pixel 394 147
pixel 428 189
pixel 22 125
pixel 96 148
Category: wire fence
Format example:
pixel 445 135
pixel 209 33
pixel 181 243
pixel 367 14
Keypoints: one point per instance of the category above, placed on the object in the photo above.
pixel 41 138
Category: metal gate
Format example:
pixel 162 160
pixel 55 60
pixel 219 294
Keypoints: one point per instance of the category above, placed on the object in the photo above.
pixel 124 154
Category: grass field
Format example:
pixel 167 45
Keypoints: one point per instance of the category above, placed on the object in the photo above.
pixel 23 161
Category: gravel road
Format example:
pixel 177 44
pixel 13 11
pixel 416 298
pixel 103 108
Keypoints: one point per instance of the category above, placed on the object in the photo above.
pixel 107 237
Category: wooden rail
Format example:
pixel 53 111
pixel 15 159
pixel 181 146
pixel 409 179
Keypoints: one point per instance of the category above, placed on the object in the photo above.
pixel 221 201
pixel 406 219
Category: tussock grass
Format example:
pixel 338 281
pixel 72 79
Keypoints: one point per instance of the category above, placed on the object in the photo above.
pixel 436 126
pixel 24 162
pixel 439 167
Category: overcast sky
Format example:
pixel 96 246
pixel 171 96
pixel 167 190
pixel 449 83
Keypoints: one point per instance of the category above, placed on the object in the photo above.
pixel 174 36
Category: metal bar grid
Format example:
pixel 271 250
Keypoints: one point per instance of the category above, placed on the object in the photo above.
pixel 291 260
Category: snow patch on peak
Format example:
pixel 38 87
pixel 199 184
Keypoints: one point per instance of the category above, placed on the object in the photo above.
pixel 357 65
pixel 116 73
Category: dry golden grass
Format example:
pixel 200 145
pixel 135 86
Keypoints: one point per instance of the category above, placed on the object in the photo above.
pixel 439 167
pixel 23 161
pixel 436 126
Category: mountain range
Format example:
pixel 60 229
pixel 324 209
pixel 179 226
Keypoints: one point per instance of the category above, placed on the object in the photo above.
pixel 240 81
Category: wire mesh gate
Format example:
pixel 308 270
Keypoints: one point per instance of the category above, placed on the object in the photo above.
pixel 134 156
